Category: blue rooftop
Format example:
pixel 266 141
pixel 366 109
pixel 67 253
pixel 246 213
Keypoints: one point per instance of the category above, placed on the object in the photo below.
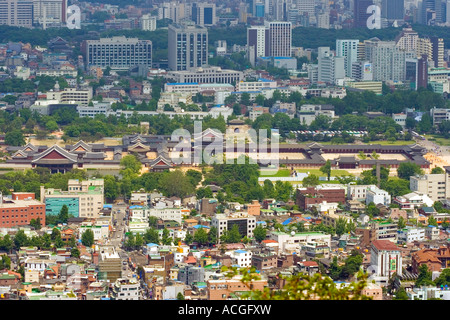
pixel 136 207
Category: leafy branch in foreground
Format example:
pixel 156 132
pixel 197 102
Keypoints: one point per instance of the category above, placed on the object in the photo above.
pixel 301 287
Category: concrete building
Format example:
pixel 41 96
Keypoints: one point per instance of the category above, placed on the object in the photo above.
pixel 377 196
pixel 308 112
pixel 187 47
pixel 126 289
pixel 349 50
pixel 80 96
pixel 147 22
pixel 410 234
pixel 144 212
pixel 203 13
pixel 279 39
pixel 245 222
pixel 206 75
pixel 241 258
pixel 225 289
pixel 385 260
pixel 331 66
pixel 17 13
pixel 383 230
pixel 413 200
pixel 117 52
pixel 49 12
pixel 95 109
pixel 433 185
pixel 83 198
pixel 256 41
pixel 439 114
pixel 293 242
pixel 387 59
pixel 357 192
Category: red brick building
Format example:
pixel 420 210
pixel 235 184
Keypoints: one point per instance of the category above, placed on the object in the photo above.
pixel 310 196
pixel 20 209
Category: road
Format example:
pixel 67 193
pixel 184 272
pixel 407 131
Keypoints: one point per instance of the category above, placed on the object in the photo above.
pixel 117 237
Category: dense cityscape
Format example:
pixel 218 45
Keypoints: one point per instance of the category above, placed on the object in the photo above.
pixel 224 151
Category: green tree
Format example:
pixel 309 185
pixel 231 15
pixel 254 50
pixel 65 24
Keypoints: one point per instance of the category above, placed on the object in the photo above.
pixel 14 138
pixel 311 181
pixel 341 224
pixel 212 235
pixel 326 169
pixel 444 278
pixel 437 170
pixel 151 235
pixel 139 241
pixel 407 169
pixel 189 238
pixel 432 221
pixel 36 223
pixel 75 252
pixel 20 239
pixel 425 277
pixel 401 224
pixel 201 237
pixel 234 234
pixel 301 287
pixel 166 238
pixel 87 239
pixel 130 162
pixel 260 233
pixel 63 214
pixel 180 296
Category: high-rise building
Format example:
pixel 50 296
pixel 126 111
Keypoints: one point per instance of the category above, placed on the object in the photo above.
pixel 360 14
pixel 431 11
pixel 393 9
pixel 422 72
pixel 46 12
pixel 17 13
pixel 387 59
pixel 203 14
pixel 174 11
pixel 438 51
pixel 256 38
pixel 147 22
pixel 187 47
pixel 279 38
pixel 307 6
pixel 117 52
pixel 349 50
pixel 331 67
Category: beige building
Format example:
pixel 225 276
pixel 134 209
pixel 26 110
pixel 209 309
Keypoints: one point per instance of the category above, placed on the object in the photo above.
pixel 83 198
pixel 433 185
pixel 71 95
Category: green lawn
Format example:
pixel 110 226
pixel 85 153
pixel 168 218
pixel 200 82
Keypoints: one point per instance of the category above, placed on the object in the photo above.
pixel 438 139
pixel 280 173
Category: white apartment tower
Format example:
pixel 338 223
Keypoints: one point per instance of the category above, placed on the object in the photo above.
pixel 349 50
pixel 147 22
